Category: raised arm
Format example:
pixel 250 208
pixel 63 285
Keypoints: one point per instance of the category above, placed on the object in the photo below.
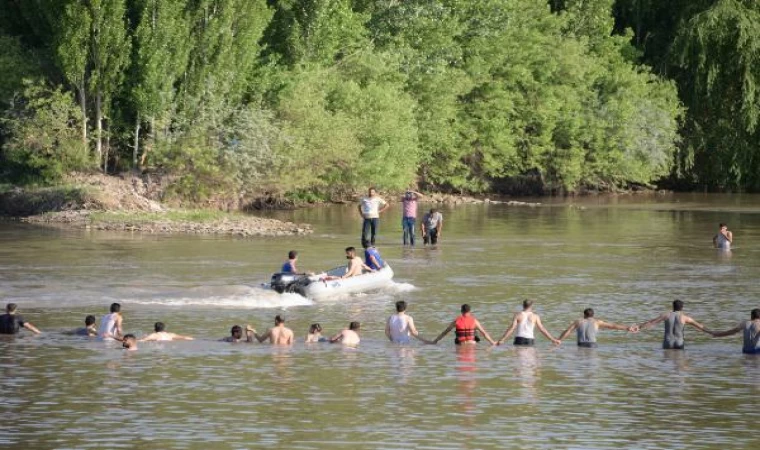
pixel 544 331
pixel 509 331
pixel 730 236
pixel 655 321
pixel 734 330
pixel 696 325
pixel 445 332
pixel 31 328
pixel 569 330
pixel 483 331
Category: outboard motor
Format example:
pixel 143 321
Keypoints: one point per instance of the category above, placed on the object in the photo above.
pixel 281 281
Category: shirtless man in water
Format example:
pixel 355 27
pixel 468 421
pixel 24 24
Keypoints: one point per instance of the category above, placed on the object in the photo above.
pixel 348 336
pixel 160 335
pixel 277 335
pixel 355 266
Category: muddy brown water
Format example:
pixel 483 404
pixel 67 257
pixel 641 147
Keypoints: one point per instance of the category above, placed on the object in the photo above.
pixel 627 257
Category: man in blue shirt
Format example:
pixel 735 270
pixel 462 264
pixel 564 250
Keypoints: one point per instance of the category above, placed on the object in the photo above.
pixel 372 257
pixel 290 264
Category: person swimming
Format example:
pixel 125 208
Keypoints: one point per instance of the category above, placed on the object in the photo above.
pixel 160 334
pixel 89 330
pixel 129 342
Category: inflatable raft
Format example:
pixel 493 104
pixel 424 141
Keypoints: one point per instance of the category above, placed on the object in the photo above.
pixel 316 286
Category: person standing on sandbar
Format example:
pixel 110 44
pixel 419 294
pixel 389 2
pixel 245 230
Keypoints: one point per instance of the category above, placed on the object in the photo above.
pixel 675 322
pixel 588 326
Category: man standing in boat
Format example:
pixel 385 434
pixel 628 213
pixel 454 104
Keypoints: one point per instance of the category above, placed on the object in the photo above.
pixel 724 238
pixel 370 208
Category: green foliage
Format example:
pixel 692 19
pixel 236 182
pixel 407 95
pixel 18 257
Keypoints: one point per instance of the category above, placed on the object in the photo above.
pixel 43 141
pixel 16 63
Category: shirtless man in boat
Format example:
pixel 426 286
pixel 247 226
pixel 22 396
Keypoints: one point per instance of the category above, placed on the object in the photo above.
pixel 349 336
pixel 160 334
pixel 354 268
pixel 277 335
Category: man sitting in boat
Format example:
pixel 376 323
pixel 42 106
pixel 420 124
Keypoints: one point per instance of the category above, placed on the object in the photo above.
pixel 372 257
pixel 355 266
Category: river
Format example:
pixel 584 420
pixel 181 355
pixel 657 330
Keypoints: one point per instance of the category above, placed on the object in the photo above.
pixel 628 257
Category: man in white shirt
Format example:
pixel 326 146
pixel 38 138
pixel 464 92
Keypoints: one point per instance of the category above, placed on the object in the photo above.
pixel 400 327
pixel 370 208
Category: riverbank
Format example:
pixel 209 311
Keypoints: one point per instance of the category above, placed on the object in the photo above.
pixel 130 203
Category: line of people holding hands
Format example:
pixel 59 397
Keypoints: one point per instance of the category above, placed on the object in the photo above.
pixel 400 328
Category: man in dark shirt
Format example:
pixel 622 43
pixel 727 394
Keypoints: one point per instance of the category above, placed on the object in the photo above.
pixel 11 323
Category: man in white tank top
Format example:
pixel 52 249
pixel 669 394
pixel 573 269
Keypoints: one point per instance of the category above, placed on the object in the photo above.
pixel 524 322
pixel 400 326
pixel 110 324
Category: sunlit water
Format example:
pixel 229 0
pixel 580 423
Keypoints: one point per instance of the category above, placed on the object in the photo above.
pixel 628 258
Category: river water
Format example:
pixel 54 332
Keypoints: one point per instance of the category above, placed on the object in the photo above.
pixel 627 257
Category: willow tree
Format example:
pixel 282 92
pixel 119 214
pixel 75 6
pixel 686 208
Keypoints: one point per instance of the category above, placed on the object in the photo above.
pixel 718 51
pixel 162 48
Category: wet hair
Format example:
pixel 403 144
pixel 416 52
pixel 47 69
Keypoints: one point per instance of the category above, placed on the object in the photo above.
pixel 350 249
pixel 400 306
pixel 588 312
pixel 315 328
pixel 354 326
pixel 721 225
pixel 527 303
pixel 89 320
pixel 755 314
pixel 115 307
pixel 237 329
pixel 159 327
pixel 465 308
pixel 292 254
pixel 677 305
pixel 11 307
pixel 278 319
pixel 129 336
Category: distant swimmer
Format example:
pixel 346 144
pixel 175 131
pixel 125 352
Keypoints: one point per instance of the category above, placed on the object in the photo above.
pixel 110 324
pixel 349 336
pixel 675 322
pixel 524 322
pixel 751 329
pixel 372 258
pixel 159 334
pixel 129 342
pixel 724 238
pixel 315 334
pixel 89 329
pixel 464 328
pixel 236 335
pixel 277 335
pixel 355 266
pixel 12 323
pixel 588 326
pixel 400 326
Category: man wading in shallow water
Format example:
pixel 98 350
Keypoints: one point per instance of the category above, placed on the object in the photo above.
pixel 278 335
pixel 588 326
pixel 465 327
pixel 12 323
pixel 524 322
pixel 675 322
pixel 751 329
pixel 370 208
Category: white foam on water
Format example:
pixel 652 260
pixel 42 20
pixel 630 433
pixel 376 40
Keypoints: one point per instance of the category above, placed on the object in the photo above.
pixel 401 287
pixel 251 298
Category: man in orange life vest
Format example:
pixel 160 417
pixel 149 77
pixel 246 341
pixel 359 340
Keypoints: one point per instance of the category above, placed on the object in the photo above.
pixel 465 326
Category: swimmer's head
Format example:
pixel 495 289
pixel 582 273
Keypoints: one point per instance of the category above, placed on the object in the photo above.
pixel 10 308
pixel 236 332
pixel 677 305
pixel 129 341
pixel 755 314
pixel 315 328
pixel 159 327
pixel 292 254
pixel 400 306
pixel 278 319
pixel 527 303
pixel 465 308
pixel 354 326
pixel 89 320
pixel 588 312
pixel 115 307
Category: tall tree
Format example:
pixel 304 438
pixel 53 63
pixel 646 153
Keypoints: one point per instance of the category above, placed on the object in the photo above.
pixel 72 50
